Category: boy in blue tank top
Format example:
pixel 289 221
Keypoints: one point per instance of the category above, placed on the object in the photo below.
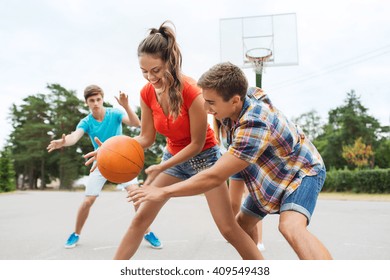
pixel 103 123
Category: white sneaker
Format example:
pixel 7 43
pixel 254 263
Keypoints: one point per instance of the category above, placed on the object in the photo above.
pixel 261 247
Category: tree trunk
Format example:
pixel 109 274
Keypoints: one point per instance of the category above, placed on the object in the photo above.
pixel 43 177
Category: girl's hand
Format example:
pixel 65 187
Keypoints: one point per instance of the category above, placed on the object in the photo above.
pixel 146 193
pixel 152 172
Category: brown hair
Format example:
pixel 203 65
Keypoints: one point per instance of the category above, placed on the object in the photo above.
pixel 162 43
pixel 92 90
pixel 226 79
pixel 217 130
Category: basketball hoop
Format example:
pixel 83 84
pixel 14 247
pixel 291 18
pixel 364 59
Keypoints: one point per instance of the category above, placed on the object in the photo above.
pixel 257 56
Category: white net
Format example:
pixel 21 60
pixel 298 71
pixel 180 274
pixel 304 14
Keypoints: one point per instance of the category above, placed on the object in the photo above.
pixel 257 57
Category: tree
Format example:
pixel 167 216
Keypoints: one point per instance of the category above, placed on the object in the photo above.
pixel 30 122
pixel 66 110
pixel 382 154
pixel 358 154
pixel 43 117
pixel 7 174
pixel 35 122
pixel 310 123
pixel 346 124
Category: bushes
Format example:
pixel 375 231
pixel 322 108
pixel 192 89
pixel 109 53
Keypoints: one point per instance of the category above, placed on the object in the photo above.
pixel 358 181
pixel 7 174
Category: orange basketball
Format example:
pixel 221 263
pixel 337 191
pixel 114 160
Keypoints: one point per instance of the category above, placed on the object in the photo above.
pixel 120 159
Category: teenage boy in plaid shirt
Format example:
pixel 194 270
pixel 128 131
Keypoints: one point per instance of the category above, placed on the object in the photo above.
pixel 281 167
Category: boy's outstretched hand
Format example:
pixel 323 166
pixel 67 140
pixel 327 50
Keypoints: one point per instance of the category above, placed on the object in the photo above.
pixel 123 99
pixel 146 193
pixel 91 156
pixel 56 144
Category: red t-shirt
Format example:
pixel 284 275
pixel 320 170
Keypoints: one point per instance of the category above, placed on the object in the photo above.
pixel 177 132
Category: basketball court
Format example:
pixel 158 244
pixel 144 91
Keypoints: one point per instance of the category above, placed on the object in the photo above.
pixel 35 225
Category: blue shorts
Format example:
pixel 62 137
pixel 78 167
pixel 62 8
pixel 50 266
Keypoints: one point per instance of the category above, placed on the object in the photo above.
pixel 302 200
pixel 237 177
pixel 194 165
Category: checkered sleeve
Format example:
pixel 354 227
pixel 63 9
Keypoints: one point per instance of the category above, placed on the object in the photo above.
pixel 250 140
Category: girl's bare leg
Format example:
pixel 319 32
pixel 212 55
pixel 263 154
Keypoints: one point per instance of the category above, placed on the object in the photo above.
pixel 143 218
pixel 221 210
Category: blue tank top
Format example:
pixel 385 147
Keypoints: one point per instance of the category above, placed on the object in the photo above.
pixel 110 126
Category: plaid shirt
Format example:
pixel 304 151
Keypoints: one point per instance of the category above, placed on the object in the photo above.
pixel 278 152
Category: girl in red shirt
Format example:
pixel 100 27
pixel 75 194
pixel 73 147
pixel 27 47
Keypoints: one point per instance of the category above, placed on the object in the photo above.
pixel 172 105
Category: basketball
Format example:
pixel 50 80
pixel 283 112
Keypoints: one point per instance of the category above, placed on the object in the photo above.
pixel 120 159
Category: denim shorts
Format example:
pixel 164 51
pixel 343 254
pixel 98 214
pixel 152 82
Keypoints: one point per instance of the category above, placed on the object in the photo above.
pixel 194 165
pixel 237 177
pixel 302 200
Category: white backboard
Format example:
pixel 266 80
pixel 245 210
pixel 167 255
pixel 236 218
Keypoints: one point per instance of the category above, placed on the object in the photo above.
pixel 275 32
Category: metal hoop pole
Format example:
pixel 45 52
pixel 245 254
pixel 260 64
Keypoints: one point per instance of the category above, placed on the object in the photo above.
pixel 258 56
pixel 258 80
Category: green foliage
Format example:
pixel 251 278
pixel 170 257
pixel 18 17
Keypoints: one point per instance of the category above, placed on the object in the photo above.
pixel 358 181
pixel 40 118
pixel 359 154
pixel 382 154
pixel 346 124
pixel 30 122
pixel 310 123
pixel 66 111
pixel 338 143
pixel 43 117
pixel 7 174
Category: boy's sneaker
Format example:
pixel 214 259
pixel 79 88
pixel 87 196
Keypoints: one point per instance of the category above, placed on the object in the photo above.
pixel 261 247
pixel 153 240
pixel 72 240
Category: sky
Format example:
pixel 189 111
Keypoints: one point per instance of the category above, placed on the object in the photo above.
pixel 343 45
